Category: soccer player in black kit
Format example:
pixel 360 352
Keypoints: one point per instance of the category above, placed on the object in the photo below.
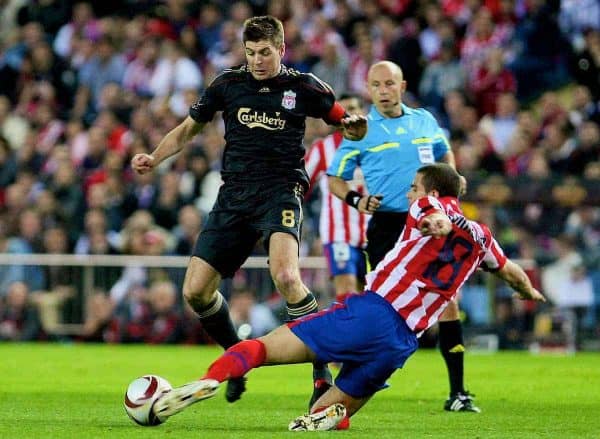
pixel 265 105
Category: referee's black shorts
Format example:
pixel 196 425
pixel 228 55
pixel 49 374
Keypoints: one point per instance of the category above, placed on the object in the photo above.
pixel 242 214
pixel 383 232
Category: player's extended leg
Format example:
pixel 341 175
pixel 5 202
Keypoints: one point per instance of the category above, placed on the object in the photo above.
pixel 201 293
pixel 281 346
pixel 452 348
pixel 285 271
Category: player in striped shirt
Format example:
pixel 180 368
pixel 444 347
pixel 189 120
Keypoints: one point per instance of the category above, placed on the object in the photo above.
pixel 374 333
pixel 342 229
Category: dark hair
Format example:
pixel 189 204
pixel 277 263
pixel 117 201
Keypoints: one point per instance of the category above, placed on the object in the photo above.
pixel 442 178
pixel 264 27
pixel 344 96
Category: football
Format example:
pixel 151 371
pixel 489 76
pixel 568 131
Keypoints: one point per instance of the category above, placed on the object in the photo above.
pixel 140 397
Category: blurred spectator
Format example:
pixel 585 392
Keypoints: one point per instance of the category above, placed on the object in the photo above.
pixel 501 125
pixel 405 51
pixel 30 34
pixel 587 149
pixel 430 38
pixel 19 320
pixel 174 73
pixel 13 127
pixel 131 315
pixel 583 107
pixel 98 318
pixel 333 67
pixel 8 167
pixel 585 64
pixel 510 326
pixel 167 202
pixel 50 70
pixel 187 230
pixel 82 24
pixel 8 18
pixel 578 16
pixel 490 81
pixel 558 143
pixel 228 50
pixel 583 228
pixel 196 169
pixel 209 27
pixel 107 65
pixel 164 323
pixel 139 72
pixel 94 237
pixel 251 319
pixel 565 281
pixel 540 60
pixel 10 274
pixel 64 184
pixel 480 39
pixel 440 76
pixel 50 13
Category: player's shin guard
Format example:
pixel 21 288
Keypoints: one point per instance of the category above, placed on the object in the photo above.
pixel 452 348
pixel 217 322
pixel 237 361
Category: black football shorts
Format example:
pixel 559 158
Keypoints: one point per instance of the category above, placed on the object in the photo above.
pixel 242 214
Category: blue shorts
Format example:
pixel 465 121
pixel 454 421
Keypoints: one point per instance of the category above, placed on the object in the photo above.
pixel 365 334
pixel 342 258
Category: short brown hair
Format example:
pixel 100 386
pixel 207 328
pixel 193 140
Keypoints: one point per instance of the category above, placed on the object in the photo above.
pixel 265 27
pixel 442 178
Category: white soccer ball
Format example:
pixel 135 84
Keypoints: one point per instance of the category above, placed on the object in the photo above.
pixel 140 397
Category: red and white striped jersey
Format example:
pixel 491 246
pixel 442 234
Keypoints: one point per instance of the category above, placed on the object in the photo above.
pixel 421 274
pixel 339 222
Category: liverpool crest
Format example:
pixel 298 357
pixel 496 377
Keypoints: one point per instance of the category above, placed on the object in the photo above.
pixel 289 100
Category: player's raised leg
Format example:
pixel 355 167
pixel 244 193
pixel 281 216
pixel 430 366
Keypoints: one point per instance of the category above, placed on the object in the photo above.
pixel 200 290
pixel 285 271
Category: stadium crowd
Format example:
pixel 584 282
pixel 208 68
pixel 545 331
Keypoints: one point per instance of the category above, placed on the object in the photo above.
pixel 84 86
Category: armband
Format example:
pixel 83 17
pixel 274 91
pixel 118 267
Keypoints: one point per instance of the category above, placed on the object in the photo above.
pixel 352 198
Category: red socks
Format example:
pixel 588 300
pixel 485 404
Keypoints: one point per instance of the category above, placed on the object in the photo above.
pixel 237 361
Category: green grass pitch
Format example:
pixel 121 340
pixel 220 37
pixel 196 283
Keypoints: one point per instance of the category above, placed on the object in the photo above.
pixel 76 391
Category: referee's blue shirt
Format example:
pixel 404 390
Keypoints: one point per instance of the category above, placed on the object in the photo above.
pixel 390 154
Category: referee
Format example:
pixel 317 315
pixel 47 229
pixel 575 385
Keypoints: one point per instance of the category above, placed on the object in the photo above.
pixel 399 141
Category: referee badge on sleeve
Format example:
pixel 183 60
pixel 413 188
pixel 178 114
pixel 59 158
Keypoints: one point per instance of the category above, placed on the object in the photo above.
pixel 289 100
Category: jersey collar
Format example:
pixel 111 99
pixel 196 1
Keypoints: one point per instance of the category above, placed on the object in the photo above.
pixel 374 114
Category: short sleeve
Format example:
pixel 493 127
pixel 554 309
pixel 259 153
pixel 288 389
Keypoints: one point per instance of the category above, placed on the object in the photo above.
pixel 441 146
pixel 345 160
pixel 494 258
pixel 211 101
pixel 320 97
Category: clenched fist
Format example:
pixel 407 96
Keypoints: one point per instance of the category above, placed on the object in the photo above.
pixel 436 225
pixel 142 163
pixel 355 127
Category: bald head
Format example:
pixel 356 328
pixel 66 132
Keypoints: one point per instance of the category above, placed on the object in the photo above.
pixel 388 67
pixel 386 85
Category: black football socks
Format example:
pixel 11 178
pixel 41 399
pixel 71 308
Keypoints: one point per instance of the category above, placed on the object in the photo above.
pixel 217 322
pixel 453 351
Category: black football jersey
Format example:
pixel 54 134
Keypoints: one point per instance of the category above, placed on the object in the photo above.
pixel 264 121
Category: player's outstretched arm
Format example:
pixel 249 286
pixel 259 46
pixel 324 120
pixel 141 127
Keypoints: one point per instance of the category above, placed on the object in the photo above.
pixel 170 145
pixel 516 278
